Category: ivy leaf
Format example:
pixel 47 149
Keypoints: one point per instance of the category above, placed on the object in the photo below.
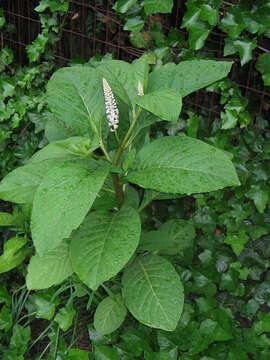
pixel 263 66
pixel 237 241
pixel 122 6
pixel 232 23
pixel 165 103
pixel 157 6
pixel 260 197
pixel 263 324
pixel 50 269
pixel 14 253
pixel 245 48
pixel 153 292
pixel 37 48
pixel 188 76
pixel 109 315
pixel 103 244
pixel 182 165
pixel 62 201
pixel 198 34
pixel 134 24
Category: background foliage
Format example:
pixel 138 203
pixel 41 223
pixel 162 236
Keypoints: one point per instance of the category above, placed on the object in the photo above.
pixel 224 267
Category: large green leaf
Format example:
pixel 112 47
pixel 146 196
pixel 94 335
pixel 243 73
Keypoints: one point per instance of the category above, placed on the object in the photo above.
pixel 188 76
pixel 124 77
pixel 20 185
pixel 75 95
pixel 109 315
pixel 63 200
pixel 50 269
pixel 164 103
pixel 153 292
pixel 103 244
pixel 179 164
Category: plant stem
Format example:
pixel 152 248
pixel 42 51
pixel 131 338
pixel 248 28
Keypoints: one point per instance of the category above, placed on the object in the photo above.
pixel 104 150
pixel 118 190
pixel 126 138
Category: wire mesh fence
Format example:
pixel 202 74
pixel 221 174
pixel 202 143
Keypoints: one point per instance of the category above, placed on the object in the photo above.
pixel 91 26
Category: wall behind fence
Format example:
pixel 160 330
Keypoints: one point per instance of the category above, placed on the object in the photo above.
pixel 91 27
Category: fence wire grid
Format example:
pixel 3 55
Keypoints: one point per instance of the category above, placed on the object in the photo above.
pixel 91 26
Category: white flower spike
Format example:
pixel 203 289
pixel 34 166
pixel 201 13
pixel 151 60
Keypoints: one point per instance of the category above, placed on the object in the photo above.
pixel 140 88
pixel 111 107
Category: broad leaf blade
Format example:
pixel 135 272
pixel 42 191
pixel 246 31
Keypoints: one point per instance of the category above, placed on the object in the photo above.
pixel 103 244
pixel 63 200
pixel 109 315
pixel 75 95
pixel 189 76
pixel 49 269
pixel 20 185
pixel 153 292
pixel 165 103
pixel 182 165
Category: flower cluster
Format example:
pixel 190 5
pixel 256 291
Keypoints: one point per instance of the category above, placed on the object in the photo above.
pixel 111 107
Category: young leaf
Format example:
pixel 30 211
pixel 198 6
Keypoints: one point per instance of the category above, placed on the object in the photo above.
pixel 179 164
pixel 63 200
pixel 64 317
pixel 153 292
pixel 109 315
pixel 188 76
pixel 75 95
pixel 103 244
pixel 50 269
pixel 164 103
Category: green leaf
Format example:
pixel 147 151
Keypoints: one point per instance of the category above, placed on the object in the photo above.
pixel 171 238
pixel 72 99
pixel 260 196
pixel 14 253
pixel 109 315
pixel 103 244
pixel 62 201
pixel 134 24
pixel 77 354
pixel 50 269
pixel 106 353
pixel 237 241
pixel 6 219
pixel 157 6
pixel 164 103
pixel 198 35
pixel 188 76
pixel 5 318
pixel 232 23
pixel 245 48
pixel 37 48
pixel 20 185
pixel 68 149
pixel 64 317
pixel 263 324
pixel 122 6
pixel 43 306
pixel 263 66
pixel 163 355
pixel 182 165
pixel 153 292
pixel 20 338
